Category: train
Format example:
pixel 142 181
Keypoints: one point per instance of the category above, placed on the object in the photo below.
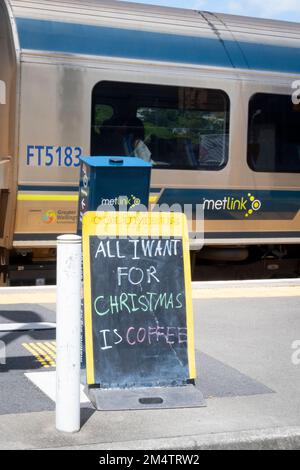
pixel 216 101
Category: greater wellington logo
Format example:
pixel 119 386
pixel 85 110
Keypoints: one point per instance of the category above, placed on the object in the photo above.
pixel 247 205
pixel 49 217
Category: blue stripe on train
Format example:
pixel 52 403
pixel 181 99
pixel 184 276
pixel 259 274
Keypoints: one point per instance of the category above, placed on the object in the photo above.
pixel 56 189
pixel 222 204
pixel 272 205
pixel 116 42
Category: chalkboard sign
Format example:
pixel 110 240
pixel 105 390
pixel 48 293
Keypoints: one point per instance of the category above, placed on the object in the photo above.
pixel 137 294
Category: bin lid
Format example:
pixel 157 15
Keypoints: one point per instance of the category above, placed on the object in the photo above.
pixel 118 162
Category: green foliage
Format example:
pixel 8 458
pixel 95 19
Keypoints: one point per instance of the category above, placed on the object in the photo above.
pixel 173 123
pixel 102 113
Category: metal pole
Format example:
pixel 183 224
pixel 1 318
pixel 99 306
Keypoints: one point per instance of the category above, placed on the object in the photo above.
pixel 68 333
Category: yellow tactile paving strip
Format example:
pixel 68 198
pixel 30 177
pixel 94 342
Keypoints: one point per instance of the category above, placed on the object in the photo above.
pixel 27 298
pixel 44 352
pixel 248 292
pixel 207 293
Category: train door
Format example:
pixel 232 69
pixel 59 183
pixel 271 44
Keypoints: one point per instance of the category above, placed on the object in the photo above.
pixel 8 79
pixel 7 212
pixel 4 164
pixel 4 181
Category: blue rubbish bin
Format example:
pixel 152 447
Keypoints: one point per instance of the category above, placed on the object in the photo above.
pixel 112 182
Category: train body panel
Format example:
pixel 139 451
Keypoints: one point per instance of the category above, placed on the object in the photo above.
pixel 70 54
pixel 9 95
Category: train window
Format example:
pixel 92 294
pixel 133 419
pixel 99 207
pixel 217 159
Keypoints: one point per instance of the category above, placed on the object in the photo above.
pixel 180 128
pixel 273 134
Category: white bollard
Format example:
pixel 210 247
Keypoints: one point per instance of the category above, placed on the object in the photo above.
pixel 68 333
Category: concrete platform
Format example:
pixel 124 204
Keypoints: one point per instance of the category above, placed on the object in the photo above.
pixel 246 367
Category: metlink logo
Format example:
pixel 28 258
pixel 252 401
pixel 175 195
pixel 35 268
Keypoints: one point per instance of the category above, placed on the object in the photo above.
pixel 248 205
pixel 126 201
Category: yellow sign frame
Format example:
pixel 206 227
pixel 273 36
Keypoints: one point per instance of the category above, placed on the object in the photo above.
pixel 135 224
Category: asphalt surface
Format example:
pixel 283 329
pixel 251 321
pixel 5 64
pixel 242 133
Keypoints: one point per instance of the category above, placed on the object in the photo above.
pixel 245 370
pixel 19 395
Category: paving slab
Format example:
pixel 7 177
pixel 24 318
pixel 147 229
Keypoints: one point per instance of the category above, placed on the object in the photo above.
pixel 245 368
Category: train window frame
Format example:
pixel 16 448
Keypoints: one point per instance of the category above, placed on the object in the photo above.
pixel 250 160
pixel 219 140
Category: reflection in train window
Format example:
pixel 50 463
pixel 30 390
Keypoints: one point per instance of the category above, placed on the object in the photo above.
pixel 174 127
pixel 273 134
pixel 102 113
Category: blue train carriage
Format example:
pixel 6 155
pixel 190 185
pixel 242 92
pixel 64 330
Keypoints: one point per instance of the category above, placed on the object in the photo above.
pixel 208 95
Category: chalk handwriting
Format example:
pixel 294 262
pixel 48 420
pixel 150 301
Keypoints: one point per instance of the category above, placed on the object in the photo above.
pixel 135 336
pixel 140 249
pixel 136 276
pixel 131 303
